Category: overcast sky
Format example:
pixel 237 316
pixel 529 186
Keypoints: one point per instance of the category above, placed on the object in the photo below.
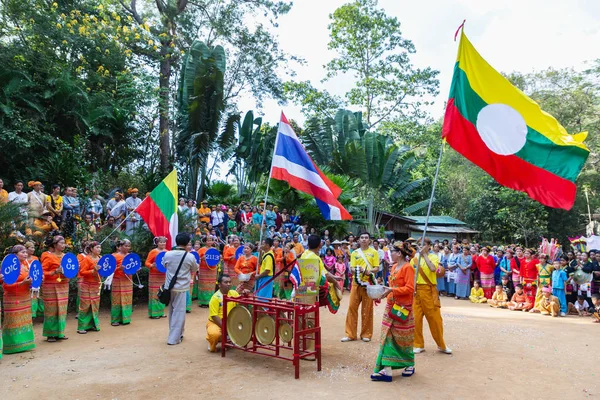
pixel 512 35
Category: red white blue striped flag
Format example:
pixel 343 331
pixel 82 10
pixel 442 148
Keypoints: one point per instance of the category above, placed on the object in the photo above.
pixel 291 163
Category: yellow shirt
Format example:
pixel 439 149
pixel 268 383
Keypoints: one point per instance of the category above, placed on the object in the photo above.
pixel 500 296
pixel 215 305
pixel 309 255
pixel 477 292
pixel 267 263
pixel 356 260
pixel 423 266
pixel 58 203
pixel 3 196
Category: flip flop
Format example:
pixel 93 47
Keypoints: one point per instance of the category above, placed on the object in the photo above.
pixel 115 324
pixel 82 332
pixel 408 371
pixel 379 377
pixel 51 339
pixel 63 338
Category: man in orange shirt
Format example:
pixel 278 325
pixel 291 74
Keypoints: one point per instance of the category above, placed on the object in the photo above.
pixel 298 248
pixel 204 212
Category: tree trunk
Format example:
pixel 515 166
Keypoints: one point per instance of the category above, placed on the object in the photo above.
pixel 164 101
pixel 370 213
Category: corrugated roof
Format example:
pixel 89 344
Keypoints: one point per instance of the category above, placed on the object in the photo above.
pixel 437 220
pixel 443 229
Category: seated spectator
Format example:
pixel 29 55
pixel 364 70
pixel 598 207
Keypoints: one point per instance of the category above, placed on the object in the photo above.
pixel 499 298
pixel 520 301
pixel 549 304
pixel 477 295
pixel 581 307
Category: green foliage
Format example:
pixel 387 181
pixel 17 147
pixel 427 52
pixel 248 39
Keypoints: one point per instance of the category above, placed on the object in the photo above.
pixel 251 154
pixel 371 47
pixel 201 105
pixel 503 215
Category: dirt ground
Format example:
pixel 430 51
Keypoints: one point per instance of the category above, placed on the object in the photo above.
pixel 497 353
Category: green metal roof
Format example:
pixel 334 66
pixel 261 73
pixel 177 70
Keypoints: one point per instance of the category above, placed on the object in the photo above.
pixel 437 220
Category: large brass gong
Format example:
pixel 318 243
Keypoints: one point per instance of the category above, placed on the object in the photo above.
pixel 239 325
pixel 286 333
pixel 265 329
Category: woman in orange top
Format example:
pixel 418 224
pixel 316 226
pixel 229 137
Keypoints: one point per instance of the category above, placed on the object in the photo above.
pixel 156 309
pixel 18 326
pixel 229 260
pixel 121 292
pixel 207 276
pixel 55 290
pixel 397 336
pixel 37 304
pixel 89 290
pixel 246 264
pixel 279 282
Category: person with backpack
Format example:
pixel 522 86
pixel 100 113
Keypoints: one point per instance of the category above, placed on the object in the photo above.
pixel 267 266
pixel 180 264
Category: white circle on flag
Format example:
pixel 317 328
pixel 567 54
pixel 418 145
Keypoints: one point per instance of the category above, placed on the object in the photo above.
pixel 502 129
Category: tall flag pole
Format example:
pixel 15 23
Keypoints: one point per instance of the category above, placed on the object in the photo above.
pixel 501 130
pixel 159 209
pixel 292 164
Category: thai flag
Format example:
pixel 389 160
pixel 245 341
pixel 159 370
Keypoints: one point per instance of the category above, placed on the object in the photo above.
pixel 291 163
pixel 295 275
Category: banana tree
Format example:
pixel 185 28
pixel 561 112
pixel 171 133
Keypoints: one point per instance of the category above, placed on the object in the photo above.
pixel 252 154
pixel 201 106
pixel 384 170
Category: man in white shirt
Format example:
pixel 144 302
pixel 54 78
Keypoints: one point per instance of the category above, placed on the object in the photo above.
pixel 19 197
pixel 217 217
pixel 171 261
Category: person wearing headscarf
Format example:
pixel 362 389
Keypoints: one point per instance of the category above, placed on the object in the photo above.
pixel 116 207
pixel 55 290
pixel 132 202
pixel 17 333
pixel 398 325
pixel 36 200
pixel 121 292
pixel 90 285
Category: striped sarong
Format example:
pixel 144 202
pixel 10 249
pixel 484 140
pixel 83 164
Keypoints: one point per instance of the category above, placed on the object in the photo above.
pixel 89 305
pixel 396 341
pixel 207 280
pixel 56 300
pixel 487 284
pixel 121 294
pixel 248 285
pixel 155 307
pixel 17 334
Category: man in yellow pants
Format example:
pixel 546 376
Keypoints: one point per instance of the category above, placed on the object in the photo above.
pixel 427 301
pixel 364 262
pixel 215 312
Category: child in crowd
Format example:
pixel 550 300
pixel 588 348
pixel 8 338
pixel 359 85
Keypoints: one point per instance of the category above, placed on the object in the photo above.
pixel 595 310
pixel 549 304
pixel 519 301
pixel 329 260
pixel 559 279
pixel 580 307
pixel 508 287
pixel 477 295
pixel 499 298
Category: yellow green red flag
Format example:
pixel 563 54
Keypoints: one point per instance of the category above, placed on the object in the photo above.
pixel 504 132
pixel 159 209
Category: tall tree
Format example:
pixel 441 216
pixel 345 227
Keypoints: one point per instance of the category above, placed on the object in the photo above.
pixel 371 48
pixel 251 47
